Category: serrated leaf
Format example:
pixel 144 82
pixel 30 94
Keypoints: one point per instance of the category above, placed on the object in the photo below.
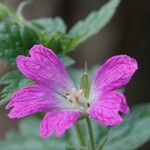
pixel 13 81
pixel 18 37
pixel 15 40
pixel 133 133
pixel 93 23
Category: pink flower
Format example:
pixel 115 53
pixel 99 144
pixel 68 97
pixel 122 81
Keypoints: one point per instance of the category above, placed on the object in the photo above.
pixel 55 94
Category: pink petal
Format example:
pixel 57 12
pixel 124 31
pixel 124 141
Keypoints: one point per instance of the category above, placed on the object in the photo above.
pixel 29 100
pixel 57 122
pixel 114 73
pixel 43 66
pixel 106 108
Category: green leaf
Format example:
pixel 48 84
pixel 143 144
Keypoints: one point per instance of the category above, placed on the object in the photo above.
pixel 52 31
pixel 134 132
pixel 13 81
pixel 15 39
pixel 49 25
pixel 18 36
pixel 93 23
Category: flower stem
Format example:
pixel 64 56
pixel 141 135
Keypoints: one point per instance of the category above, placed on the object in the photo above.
pixel 85 87
pixel 90 130
pixel 79 133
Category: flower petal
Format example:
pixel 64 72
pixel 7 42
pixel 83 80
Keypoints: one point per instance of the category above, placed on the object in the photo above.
pixel 107 107
pixel 57 122
pixel 114 73
pixel 44 66
pixel 31 99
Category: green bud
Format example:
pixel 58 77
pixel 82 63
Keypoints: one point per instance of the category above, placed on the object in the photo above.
pixel 85 82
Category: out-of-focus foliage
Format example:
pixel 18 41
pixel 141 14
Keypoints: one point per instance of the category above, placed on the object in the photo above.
pixel 28 138
pixel 51 32
pixel 49 25
pixel 18 35
pixel 6 11
pixel 134 132
pixel 14 81
pixel 93 23
pixel 124 137
pixel 15 39
pixel 68 61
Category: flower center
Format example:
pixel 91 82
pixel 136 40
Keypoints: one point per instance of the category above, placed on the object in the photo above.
pixel 77 99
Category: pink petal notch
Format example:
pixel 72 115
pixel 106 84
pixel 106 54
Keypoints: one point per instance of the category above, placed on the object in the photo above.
pixel 106 102
pixel 106 108
pixel 43 66
pixel 114 73
pixel 57 122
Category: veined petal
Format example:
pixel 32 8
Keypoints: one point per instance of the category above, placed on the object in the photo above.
pixel 114 73
pixel 106 108
pixel 43 66
pixel 32 99
pixel 57 122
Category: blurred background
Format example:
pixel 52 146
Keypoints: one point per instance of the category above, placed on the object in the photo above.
pixel 127 33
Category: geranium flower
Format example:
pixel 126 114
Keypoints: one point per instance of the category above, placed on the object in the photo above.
pixel 55 94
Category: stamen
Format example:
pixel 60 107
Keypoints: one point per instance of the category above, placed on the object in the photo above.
pixel 76 97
